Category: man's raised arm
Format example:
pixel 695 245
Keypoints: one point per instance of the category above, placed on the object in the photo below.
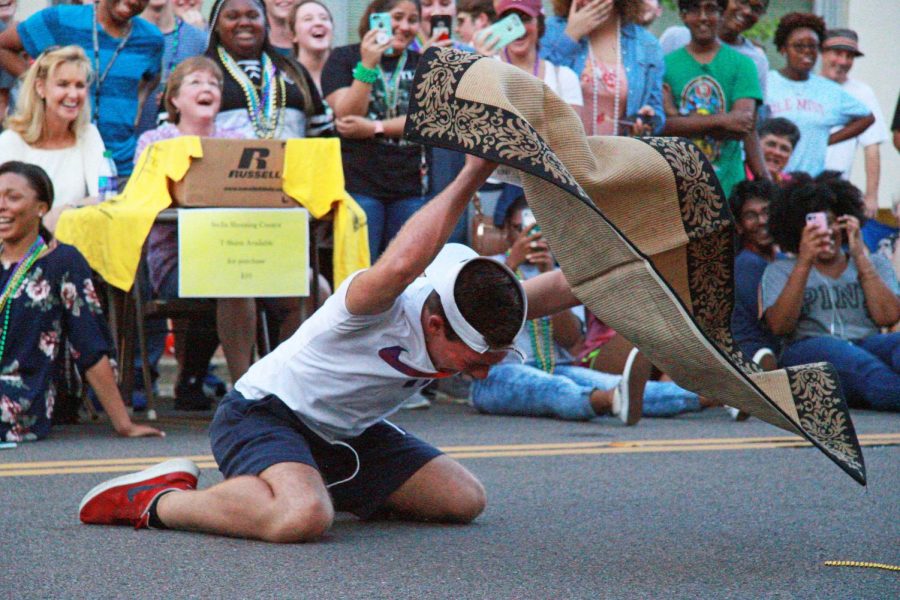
pixel 417 243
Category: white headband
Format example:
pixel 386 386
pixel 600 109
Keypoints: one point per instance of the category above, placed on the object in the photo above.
pixel 442 273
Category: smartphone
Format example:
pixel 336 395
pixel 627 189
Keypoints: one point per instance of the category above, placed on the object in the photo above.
pixel 382 23
pixel 505 31
pixel 441 26
pixel 528 219
pixel 631 120
pixel 818 219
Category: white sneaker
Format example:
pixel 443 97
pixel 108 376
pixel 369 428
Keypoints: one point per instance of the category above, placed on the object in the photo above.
pixel 737 414
pixel 628 397
pixel 765 358
pixel 415 402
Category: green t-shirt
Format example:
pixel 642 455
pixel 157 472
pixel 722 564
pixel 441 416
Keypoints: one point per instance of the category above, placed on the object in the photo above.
pixel 712 88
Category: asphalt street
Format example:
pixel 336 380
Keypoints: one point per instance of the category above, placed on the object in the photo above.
pixel 692 507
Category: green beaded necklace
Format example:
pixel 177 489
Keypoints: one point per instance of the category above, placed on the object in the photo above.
pixel 544 351
pixel 265 106
pixel 16 279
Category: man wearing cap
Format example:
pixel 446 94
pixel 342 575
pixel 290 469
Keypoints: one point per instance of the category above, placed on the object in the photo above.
pixel 839 50
pixel 304 432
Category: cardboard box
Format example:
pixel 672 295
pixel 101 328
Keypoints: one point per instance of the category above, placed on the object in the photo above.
pixel 235 174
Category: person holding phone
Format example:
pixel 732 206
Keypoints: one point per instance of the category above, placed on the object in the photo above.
pixel 435 12
pixel 523 52
pixel 473 16
pixel 369 91
pixel 831 298
pixel 619 62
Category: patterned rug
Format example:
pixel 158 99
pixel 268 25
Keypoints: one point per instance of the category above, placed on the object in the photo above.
pixel 642 232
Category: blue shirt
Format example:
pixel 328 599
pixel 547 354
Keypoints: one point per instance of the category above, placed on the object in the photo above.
pixel 140 59
pixel 814 106
pixel 642 59
pixel 748 330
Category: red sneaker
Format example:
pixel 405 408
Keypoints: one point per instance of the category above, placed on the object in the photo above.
pixel 126 500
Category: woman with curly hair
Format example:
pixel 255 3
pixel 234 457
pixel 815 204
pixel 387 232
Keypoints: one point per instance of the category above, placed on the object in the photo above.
pixel 620 64
pixel 815 104
pixel 830 299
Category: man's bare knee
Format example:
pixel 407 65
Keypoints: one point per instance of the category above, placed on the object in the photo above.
pixel 298 520
pixel 467 503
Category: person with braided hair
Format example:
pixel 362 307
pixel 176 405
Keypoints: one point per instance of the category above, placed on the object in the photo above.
pixel 266 95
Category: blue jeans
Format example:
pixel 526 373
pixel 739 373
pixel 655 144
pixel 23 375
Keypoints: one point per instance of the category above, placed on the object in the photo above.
pixel 385 218
pixel 869 369
pixel 524 390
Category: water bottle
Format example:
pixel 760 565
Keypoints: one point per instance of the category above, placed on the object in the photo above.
pixel 108 186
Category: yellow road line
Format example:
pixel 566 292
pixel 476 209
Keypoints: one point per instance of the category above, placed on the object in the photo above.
pixel 205 461
pixel 99 462
pixel 880 437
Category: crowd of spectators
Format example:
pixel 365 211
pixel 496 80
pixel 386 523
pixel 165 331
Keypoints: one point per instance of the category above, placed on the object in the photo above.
pixel 85 89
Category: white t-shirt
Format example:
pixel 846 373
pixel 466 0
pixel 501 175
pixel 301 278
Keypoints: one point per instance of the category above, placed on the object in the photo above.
pixel 74 171
pixel 342 373
pixel 564 83
pixel 840 156
pixel 562 80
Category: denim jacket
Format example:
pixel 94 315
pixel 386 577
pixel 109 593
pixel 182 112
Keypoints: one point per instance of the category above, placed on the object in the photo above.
pixel 642 58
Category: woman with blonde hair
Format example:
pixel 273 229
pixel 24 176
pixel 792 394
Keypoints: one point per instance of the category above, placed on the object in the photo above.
pixel 51 128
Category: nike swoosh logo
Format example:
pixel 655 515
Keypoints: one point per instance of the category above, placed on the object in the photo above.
pixel 143 488
pixel 391 356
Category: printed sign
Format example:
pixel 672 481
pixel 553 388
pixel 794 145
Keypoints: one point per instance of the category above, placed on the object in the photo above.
pixel 243 253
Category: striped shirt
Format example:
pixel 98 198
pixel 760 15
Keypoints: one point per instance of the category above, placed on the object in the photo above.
pixel 140 59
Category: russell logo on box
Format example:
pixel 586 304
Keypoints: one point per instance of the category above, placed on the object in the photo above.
pixel 252 165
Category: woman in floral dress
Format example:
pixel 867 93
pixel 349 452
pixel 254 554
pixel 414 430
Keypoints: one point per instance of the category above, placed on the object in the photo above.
pixel 46 298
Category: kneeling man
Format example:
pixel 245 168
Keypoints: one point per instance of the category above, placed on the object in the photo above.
pixel 304 432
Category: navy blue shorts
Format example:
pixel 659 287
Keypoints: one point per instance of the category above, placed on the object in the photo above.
pixel 249 436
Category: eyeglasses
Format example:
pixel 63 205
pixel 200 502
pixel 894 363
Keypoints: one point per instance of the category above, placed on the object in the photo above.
pixel 754 216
